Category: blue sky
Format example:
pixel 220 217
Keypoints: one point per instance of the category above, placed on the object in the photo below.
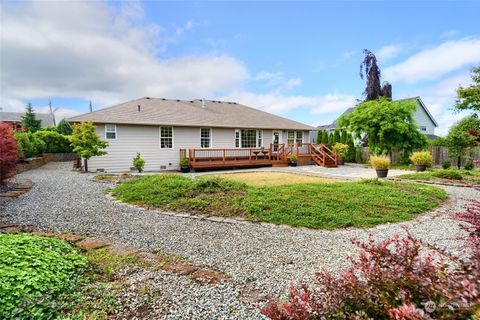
pixel 296 59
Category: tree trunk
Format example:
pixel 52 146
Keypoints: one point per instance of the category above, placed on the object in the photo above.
pixel 86 165
pixel 459 162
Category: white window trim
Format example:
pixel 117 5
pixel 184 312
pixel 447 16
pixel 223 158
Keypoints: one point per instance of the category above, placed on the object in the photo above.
pixel 263 138
pixel 211 137
pixel 160 137
pixel 116 131
pixel 240 138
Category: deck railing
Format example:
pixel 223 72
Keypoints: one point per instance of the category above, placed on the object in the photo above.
pixel 273 153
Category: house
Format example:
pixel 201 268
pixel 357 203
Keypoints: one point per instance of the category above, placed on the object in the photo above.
pixel 425 122
pixel 211 134
pixel 14 119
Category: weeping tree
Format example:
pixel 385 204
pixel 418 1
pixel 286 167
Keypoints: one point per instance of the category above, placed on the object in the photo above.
pixel 370 71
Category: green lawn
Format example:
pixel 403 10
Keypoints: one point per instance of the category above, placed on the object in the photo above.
pixel 314 205
pixel 454 175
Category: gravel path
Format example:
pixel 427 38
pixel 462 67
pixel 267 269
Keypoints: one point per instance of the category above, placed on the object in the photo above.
pixel 261 258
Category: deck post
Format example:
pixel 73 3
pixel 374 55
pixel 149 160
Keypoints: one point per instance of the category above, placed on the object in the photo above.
pixel 224 155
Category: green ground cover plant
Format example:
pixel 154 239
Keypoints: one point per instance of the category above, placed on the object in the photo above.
pixel 466 176
pixel 34 272
pixel 314 205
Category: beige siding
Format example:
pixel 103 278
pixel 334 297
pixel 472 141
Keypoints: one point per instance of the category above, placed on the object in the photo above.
pixel 146 140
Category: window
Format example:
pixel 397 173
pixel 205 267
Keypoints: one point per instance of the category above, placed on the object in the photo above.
pixel 237 138
pixel 166 137
pixel 205 137
pixel 248 138
pixel 110 131
pixel 291 137
pixel 423 128
pixel 299 137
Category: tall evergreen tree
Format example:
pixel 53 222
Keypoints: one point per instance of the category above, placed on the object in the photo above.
pixel 325 137
pixel 344 137
pixel 336 136
pixel 64 127
pixel 331 139
pixel 319 136
pixel 29 120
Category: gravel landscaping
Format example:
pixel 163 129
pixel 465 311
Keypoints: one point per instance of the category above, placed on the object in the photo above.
pixel 261 258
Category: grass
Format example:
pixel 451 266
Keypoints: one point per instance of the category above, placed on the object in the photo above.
pixel 457 175
pixel 314 205
pixel 272 178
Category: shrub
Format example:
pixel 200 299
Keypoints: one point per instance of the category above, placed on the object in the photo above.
pixel 380 162
pixel 8 153
pixel 340 149
pixel 393 279
pixel 448 174
pixel 33 271
pixel 54 142
pixel 184 161
pixel 29 145
pixel 446 164
pixel 293 158
pixel 138 162
pixel 422 158
pixel 469 165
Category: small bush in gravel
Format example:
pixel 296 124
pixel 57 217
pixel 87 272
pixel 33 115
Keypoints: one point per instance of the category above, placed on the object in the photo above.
pixel 33 272
pixel 395 279
pixel 446 164
pixel 138 162
pixel 448 174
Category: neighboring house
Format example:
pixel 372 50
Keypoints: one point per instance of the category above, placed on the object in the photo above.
pixel 425 122
pixel 14 119
pixel 161 128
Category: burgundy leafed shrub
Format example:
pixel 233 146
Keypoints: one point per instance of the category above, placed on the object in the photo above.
pixel 471 216
pixel 399 278
pixel 8 152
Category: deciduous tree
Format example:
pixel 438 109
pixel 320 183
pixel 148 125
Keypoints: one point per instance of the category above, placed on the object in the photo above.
pixel 469 98
pixel 8 153
pixel 462 137
pixel 86 143
pixel 389 125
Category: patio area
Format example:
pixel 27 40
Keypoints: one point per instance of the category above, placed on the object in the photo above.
pixel 345 172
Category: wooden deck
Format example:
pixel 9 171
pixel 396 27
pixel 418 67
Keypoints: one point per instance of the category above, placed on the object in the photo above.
pixel 276 155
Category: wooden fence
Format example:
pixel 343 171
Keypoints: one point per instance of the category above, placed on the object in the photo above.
pixel 439 154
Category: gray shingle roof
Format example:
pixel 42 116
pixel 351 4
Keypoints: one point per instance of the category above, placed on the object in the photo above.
pixel 156 111
pixel 17 116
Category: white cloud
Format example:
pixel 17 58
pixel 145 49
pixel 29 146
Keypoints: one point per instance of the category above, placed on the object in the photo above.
pixel 109 53
pixel 388 52
pixel 280 104
pixel 433 63
pixel 92 50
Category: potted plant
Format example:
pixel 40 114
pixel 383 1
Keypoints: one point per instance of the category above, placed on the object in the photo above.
pixel 340 150
pixel 381 165
pixel 184 165
pixel 421 160
pixel 293 160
